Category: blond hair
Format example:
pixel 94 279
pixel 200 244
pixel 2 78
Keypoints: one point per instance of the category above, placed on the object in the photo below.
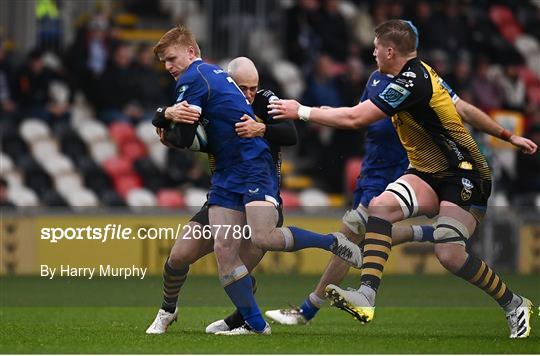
pixel 397 33
pixel 177 36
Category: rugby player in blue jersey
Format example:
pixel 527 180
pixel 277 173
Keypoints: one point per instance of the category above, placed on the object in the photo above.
pixel 187 249
pixel 244 186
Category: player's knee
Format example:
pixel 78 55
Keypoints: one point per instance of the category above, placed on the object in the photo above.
pixel 449 257
pixel 259 239
pixel 181 258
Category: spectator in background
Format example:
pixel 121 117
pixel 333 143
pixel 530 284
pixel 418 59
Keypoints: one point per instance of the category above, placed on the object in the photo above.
pixel 34 90
pixel 323 89
pixel 513 87
pixel 487 94
pixel 301 39
pixel 7 105
pixel 151 93
pixel 87 57
pixel 333 27
pixel 528 167
pixel 117 99
pixel 460 78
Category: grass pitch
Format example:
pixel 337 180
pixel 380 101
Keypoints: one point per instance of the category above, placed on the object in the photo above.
pixel 425 314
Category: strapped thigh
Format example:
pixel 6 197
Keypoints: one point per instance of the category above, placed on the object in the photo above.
pixel 406 197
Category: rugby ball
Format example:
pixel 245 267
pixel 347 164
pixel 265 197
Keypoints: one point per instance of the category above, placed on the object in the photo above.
pixel 200 141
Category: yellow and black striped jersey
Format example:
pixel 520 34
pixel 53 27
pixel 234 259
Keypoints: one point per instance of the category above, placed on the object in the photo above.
pixel 428 124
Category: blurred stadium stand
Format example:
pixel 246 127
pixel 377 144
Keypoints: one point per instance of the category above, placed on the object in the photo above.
pixel 65 142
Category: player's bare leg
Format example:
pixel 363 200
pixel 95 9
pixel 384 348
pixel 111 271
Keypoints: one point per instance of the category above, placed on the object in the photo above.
pixel 185 251
pixel 384 210
pixel 454 227
pixel 233 273
pixel 334 273
pixel 251 256
pixel 262 217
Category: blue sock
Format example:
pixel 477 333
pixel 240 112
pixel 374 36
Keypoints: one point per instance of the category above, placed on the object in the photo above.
pixel 305 239
pixel 241 294
pixel 427 233
pixel 308 310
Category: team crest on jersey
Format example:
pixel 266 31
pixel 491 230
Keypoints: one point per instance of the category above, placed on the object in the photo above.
pixel 466 192
pixel 409 74
pixel 394 94
pixel 180 93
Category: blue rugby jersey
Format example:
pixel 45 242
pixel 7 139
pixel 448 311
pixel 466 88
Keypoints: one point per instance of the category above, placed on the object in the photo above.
pixel 383 148
pixel 222 104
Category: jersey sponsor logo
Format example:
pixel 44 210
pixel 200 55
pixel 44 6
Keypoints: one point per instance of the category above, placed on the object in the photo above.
pixel 375 82
pixel 409 74
pixel 394 94
pixel 180 93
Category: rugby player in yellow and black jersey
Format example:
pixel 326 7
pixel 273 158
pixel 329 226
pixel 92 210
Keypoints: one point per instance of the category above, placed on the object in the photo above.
pixel 188 249
pixel 448 177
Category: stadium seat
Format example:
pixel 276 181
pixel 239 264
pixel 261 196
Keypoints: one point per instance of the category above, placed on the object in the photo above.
pixel 140 197
pixel 52 198
pixel 102 151
pixel 125 183
pixel 290 200
pixel 117 166
pixel 500 15
pixel 22 196
pixel 72 145
pixel 37 180
pixel 33 130
pixel 511 31
pixel 14 146
pixel 121 132
pixel 133 149
pixel 313 200
pixel 527 45
pixel 57 165
pixel 67 184
pixel 82 198
pixel 152 177
pixel 44 149
pixel 92 131
pixel 146 132
pixel 158 153
pixel 6 164
pixel 97 180
pixel 111 198
pixel 195 198
pixel 290 78
pixel 170 198
pixel 353 166
pixel 13 179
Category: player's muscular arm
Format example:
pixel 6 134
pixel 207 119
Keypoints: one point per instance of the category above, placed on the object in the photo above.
pixel 481 121
pixel 355 117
